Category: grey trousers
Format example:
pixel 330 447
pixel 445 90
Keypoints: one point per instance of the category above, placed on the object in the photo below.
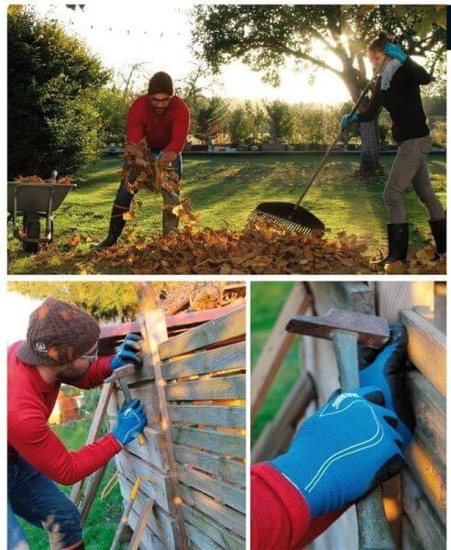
pixel 410 167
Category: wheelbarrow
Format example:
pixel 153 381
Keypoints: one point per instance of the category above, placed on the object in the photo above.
pixel 31 202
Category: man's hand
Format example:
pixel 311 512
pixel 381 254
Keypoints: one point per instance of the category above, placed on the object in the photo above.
pixel 343 451
pixel 386 369
pixel 347 120
pixel 128 352
pixel 131 421
pixel 395 51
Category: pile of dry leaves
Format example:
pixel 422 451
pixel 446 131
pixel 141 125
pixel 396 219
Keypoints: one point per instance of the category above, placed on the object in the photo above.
pixel 65 180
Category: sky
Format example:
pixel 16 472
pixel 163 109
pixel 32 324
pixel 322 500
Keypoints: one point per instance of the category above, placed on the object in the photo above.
pixel 115 32
pixel 19 308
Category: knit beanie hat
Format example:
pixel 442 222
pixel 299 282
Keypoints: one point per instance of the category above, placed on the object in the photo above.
pixel 57 334
pixel 161 83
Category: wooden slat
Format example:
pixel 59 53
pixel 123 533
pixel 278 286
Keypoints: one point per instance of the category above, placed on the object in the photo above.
pixel 140 527
pixel 425 522
pixel 161 490
pixel 224 358
pixel 218 442
pixel 94 431
pixel 201 540
pixel 276 347
pixel 223 492
pixel 430 414
pixel 431 479
pixel 227 387
pixel 409 539
pixel 91 491
pixel 208 415
pixel 151 452
pixel 393 296
pixel 426 348
pixel 224 515
pixel 149 541
pixel 228 326
pixel 154 328
pixel 224 468
pixel 270 443
pixel 160 523
pixel 222 536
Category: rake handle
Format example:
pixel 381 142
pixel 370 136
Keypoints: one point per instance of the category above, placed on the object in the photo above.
pixel 379 68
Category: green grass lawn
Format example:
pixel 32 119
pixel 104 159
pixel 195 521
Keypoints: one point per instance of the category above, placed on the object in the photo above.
pixel 267 300
pixel 226 190
pixel 105 514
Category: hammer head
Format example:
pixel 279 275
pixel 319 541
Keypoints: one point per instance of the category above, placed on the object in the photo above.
pixel 372 331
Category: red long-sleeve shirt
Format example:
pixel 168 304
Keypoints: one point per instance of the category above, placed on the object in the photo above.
pixel 30 402
pixel 167 131
pixel 280 517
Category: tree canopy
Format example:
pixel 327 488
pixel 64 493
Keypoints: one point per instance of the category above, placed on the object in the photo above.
pixel 52 80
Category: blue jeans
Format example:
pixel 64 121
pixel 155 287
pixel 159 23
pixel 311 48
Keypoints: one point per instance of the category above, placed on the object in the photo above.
pixel 35 498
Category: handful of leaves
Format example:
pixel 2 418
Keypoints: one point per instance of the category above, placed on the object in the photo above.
pixel 141 169
pixel 65 180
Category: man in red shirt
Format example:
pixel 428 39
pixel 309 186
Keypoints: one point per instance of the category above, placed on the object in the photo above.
pixel 163 119
pixel 61 346
pixel 353 443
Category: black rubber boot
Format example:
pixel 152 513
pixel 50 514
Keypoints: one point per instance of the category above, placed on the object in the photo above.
pixel 438 228
pixel 117 224
pixel 398 243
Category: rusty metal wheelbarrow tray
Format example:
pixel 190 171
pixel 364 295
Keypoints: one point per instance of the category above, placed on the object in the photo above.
pixel 34 201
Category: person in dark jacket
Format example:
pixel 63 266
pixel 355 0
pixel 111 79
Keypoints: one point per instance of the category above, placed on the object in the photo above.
pixel 398 90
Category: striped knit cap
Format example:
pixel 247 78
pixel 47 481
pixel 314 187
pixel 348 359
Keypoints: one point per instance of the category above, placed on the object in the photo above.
pixel 57 334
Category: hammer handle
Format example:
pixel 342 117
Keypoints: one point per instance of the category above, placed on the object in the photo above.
pixel 374 531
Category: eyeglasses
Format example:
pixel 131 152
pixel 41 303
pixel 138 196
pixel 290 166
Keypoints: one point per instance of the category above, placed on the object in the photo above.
pixel 91 358
pixel 161 101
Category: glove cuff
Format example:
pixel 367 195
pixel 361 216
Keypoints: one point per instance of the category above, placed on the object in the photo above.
pixel 117 438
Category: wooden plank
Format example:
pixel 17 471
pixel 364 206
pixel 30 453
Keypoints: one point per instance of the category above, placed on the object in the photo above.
pixel 218 442
pixel 208 415
pixel 220 535
pixel 154 328
pixel 140 527
pixel 270 443
pixel 228 326
pixel 223 492
pixel 393 296
pixel 276 347
pixel 94 431
pixel 426 348
pixel 91 491
pixel 224 515
pixel 201 540
pixel 409 539
pixel 147 394
pixel 440 306
pixel 427 526
pixel 152 452
pixel 161 490
pixel 428 475
pixel 430 414
pixel 224 468
pixel 227 387
pixel 149 541
pixel 203 362
pixel 160 523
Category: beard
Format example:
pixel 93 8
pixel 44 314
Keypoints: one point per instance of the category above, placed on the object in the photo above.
pixel 70 375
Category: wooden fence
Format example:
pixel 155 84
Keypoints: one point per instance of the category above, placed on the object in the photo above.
pixel 193 385
pixel 415 501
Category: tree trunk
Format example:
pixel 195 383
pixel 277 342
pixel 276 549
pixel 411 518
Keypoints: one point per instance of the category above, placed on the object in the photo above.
pixel 369 160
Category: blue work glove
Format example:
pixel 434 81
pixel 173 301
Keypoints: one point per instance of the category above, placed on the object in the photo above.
pixel 128 352
pixel 343 451
pixel 131 420
pixel 386 369
pixel 347 120
pixel 395 51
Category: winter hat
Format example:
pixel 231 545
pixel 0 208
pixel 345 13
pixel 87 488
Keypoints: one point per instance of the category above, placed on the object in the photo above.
pixel 161 83
pixel 57 334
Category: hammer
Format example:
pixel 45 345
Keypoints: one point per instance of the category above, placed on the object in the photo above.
pixel 347 330
pixel 119 376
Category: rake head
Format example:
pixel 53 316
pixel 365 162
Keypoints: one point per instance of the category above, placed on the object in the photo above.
pixel 286 216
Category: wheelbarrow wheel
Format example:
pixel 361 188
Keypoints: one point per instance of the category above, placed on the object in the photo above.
pixel 32 229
